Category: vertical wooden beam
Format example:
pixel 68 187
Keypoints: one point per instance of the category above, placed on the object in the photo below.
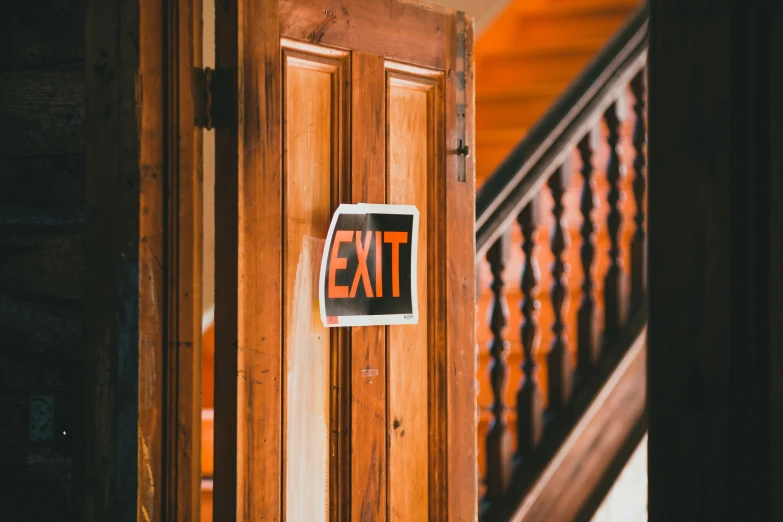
pixel 714 241
pixel 462 350
pixel 775 43
pixel 142 148
pixel 184 257
pixel 122 342
pixel 369 360
pixel 248 267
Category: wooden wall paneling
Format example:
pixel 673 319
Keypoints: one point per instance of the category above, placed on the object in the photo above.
pixel 714 239
pixel 42 255
pixel 39 35
pixel 462 475
pixel 112 190
pixel 141 148
pixel 775 19
pixel 248 268
pixel 42 190
pixel 368 344
pixel 184 257
pixel 43 111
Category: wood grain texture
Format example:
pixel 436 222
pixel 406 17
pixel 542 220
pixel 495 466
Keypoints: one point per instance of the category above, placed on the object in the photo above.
pixel 113 268
pixel 462 351
pixel 52 327
pixel 248 287
pixel 712 290
pixel 527 57
pixel 368 390
pixel 310 137
pixel 775 18
pixel 409 136
pixel 42 34
pixel 183 233
pixel 49 263
pixel 51 185
pixel 372 27
pixel 43 111
pixel 42 255
pixel 578 467
pixel 134 98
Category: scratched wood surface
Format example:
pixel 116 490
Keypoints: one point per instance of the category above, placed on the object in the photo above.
pixel 42 255
pixel 461 294
pixel 256 255
pixel 248 289
pixel 182 404
pixel 373 27
pixel 409 135
pixel 139 148
pixel 368 367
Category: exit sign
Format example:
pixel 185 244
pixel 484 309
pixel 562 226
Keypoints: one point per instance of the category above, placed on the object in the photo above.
pixel 368 268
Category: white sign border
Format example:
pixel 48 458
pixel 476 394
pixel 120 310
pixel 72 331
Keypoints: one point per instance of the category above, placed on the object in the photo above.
pixel 373 320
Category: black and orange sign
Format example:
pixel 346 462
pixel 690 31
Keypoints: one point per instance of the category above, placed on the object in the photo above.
pixel 368 269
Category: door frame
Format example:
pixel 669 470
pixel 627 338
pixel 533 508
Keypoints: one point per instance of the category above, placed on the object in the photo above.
pixel 248 294
pixel 143 314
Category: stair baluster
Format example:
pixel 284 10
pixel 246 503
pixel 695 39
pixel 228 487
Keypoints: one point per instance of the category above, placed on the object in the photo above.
pixel 529 404
pixel 614 310
pixel 587 318
pixel 639 241
pixel 498 440
pixel 560 368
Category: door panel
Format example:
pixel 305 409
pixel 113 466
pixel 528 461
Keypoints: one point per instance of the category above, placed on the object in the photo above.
pixel 311 133
pixel 350 101
pixel 411 158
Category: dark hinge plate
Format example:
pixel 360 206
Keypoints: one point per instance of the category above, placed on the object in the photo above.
pixel 463 151
pixel 214 96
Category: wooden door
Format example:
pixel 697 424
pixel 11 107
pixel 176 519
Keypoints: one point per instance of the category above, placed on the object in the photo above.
pixel 342 101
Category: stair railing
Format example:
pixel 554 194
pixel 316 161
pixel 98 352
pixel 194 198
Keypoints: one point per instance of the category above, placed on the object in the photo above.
pixel 512 193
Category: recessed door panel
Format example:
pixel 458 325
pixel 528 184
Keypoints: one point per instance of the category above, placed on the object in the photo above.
pixel 412 167
pixel 311 132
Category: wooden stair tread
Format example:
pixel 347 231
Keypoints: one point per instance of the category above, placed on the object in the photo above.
pixel 527 58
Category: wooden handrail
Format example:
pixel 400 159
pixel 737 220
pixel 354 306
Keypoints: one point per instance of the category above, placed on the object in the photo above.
pixel 512 193
pixel 522 174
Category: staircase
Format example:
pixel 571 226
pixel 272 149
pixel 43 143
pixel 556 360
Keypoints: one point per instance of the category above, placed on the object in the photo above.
pixel 560 100
pixel 524 61
pixel 526 58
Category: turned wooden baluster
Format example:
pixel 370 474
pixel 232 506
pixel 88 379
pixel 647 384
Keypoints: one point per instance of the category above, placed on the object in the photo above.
pixel 529 409
pixel 498 438
pixel 614 295
pixel 639 241
pixel 587 319
pixel 559 359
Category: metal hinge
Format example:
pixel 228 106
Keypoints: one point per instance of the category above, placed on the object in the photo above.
pixel 214 98
pixel 463 151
